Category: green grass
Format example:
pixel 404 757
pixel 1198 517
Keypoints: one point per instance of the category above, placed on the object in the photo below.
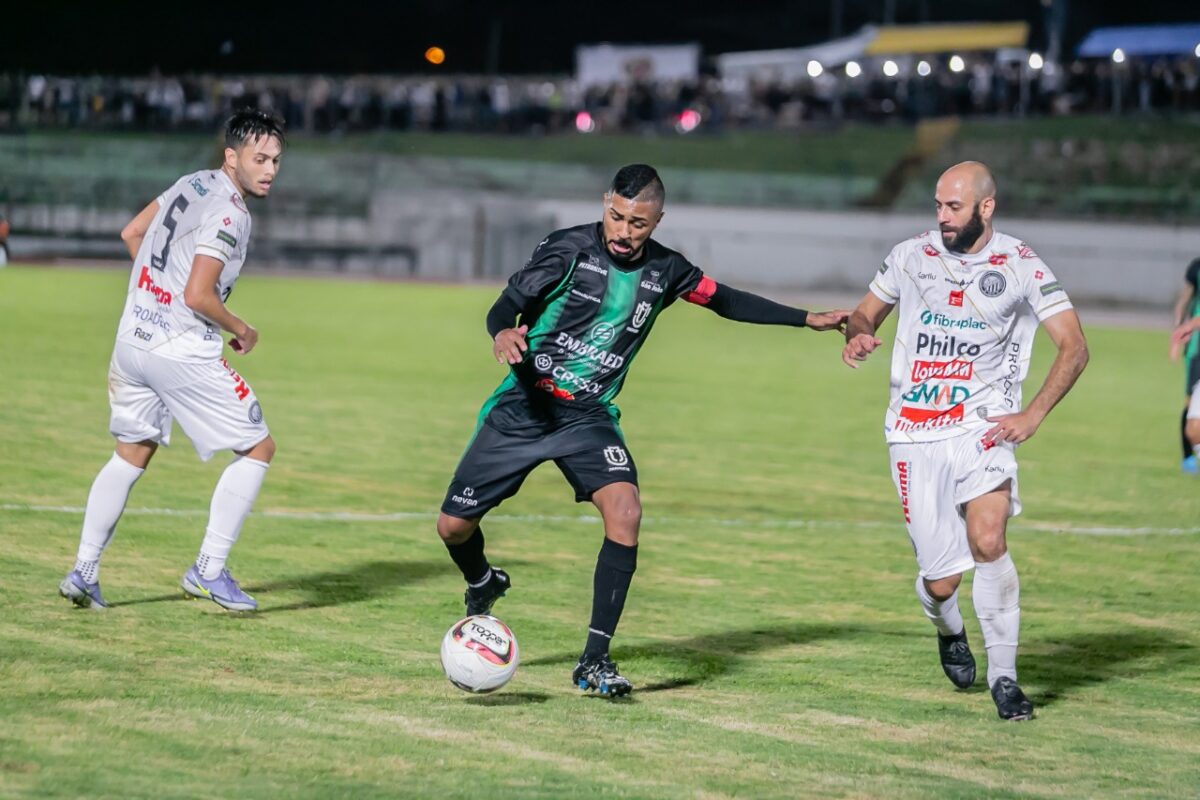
pixel 772 658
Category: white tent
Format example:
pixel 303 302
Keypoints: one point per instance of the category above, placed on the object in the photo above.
pixel 792 63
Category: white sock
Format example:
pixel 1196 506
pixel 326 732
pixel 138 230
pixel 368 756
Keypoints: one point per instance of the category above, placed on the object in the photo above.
pixel 105 503
pixel 231 503
pixel 944 614
pixel 997 595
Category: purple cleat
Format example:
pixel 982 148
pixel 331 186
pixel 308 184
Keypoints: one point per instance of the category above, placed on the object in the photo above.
pixel 82 593
pixel 222 590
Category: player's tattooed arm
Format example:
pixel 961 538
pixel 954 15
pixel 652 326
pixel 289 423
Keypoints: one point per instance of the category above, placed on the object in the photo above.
pixel 864 320
pixel 200 295
pixel 1067 334
pixel 133 233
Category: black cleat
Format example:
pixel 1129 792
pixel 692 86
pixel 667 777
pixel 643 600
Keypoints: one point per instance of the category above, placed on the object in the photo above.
pixel 1011 702
pixel 957 661
pixel 599 673
pixel 481 600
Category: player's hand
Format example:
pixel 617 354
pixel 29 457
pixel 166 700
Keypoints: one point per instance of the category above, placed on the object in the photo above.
pixel 244 342
pixel 1014 428
pixel 828 320
pixel 858 348
pixel 509 345
pixel 1179 338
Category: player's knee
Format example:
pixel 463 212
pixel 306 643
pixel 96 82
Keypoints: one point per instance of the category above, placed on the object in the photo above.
pixel 989 548
pixel 263 451
pixel 942 588
pixel 455 530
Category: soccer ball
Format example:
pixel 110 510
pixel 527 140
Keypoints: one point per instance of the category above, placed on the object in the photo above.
pixel 479 654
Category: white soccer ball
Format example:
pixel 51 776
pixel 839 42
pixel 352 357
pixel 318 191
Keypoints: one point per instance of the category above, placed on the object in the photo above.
pixel 479 654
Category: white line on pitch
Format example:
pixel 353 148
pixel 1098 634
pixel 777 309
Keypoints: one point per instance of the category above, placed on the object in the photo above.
pixel 585 519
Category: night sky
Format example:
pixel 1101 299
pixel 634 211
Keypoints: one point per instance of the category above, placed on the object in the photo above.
pixel 507 36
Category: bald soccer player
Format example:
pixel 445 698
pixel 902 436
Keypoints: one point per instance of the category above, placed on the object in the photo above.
pixel 970 300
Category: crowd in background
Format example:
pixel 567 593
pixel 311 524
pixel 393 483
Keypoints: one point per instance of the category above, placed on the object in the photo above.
pixel 322 104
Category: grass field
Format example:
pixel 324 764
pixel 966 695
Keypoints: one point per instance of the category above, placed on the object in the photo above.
pixel 771 629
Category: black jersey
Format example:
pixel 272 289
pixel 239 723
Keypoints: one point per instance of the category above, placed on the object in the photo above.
pixel 588 316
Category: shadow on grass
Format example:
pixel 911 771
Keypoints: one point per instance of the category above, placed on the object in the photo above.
pixel 509 699
pixel 1086 659
pixel 702 658
pixel 354 585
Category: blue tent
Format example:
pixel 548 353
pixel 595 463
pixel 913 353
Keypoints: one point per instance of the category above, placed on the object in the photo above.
pixel 1142 40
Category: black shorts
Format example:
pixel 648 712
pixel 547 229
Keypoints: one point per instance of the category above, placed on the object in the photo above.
pixel 514 438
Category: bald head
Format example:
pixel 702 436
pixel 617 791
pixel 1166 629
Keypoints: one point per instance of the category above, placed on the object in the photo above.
pixel 966 198
pixel 969 178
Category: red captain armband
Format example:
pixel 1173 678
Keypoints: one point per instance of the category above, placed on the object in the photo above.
pixel 703 292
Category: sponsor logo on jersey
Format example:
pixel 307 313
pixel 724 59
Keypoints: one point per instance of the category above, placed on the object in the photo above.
pixel 617 458
pixel 950 346
pixel 570 344
pixel 650 286
pixel 226 238
pixel 902 480
pixel 602 332
pixel 236 199
pixel 926 276
pixel 589 297
pixel 152 316
pixel 883 268
pixel 998 259
pixel 147 283
pixel 145 336
pixel 1025 251
pixel 1038 275
pixel 543 362
pixel 199 187
pixel 956 297
pixel 938 395
pixel 913 419
pixel 942 321
pixel 930 251
pixel 956 370
pixel 592 265
pixel 547 385
pixel 992 284
pixel 641 314
pixel 654 273
pixel 1051 288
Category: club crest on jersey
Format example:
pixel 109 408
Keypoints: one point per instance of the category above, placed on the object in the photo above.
pixel 641 314
pixel 602 333
pixel 992 284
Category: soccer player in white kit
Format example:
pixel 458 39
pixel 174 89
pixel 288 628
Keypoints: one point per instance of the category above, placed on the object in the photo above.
pixel 970 300
pixel 188 247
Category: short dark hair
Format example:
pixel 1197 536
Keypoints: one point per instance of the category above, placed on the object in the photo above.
pixel 249 124
pixel 639 181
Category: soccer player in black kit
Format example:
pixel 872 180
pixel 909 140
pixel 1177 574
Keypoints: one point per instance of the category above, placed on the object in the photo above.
pixel 586 302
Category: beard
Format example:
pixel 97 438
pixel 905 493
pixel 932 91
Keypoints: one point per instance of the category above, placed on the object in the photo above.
pixel 967 236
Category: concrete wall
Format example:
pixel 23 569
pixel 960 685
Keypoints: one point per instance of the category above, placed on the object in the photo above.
pixel 457 235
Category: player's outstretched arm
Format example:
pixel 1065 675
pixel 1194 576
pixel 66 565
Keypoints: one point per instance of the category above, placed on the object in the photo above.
pixel 200 295
pixel 133 233
pixel 864 320
pixel 742 306
pixel 1067 334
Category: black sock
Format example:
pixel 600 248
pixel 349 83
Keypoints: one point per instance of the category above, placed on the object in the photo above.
pixel 470 558
pixel 614 570
pixel 1187 446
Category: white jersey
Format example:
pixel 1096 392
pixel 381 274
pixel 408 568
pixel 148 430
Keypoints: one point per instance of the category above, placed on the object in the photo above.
pixel 964 333
pixel 201 214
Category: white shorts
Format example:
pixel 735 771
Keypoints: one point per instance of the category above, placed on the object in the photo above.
pixel 935 480
pixel 1193 411
pixel 215 407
